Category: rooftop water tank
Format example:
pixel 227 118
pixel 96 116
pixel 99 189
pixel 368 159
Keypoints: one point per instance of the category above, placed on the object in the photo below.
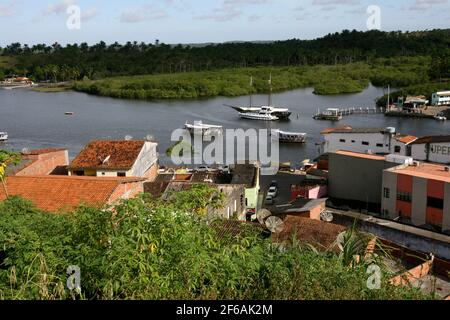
pixel 391 130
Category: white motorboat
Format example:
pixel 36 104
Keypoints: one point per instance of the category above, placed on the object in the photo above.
pixel 290 137
pixel 262 115
pixel 440 118
pixel 3 136
pixel 199 128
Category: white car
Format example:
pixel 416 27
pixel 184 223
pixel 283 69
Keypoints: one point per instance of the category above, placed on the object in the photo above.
pixel 273 192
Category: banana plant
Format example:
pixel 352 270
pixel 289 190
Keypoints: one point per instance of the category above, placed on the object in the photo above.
pixel 6 159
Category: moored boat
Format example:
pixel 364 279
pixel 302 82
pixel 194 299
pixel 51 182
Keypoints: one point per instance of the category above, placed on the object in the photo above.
pixel 3 136
pixel 262 115
pixel 280 113
pixel 204 129
pixel 290 137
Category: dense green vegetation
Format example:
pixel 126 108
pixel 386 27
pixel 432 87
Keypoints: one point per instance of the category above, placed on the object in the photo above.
pixel 145 249
pixel 347 78
pixel 337 63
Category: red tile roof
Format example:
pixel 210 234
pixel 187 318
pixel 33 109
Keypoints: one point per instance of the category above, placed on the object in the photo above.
pixel 406 139
pixel 123 155
pixel 55 193
pixel 318 233
pixel 38 152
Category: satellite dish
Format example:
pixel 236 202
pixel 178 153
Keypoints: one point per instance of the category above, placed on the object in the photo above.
pixel 262 215
pixel 327 216
pixel 275 224
pixel 150 138
pixel 25 151
pixel 106 159
pixel 128 138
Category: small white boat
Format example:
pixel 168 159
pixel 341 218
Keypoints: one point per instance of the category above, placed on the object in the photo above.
pixel 262 115
pixel 3 136
pixel 440 118
pixel 204 129
pixel 69 113
pixel 290 137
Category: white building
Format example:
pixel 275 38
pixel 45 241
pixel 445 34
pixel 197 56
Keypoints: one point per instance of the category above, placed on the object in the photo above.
pixel 441 98
pixel 433 149
pixel 117 159
pixel 377 141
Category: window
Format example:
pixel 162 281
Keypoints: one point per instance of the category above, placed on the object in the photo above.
pixel 365 143
pixel 386 193
pixel 342 140
pixel 78 173
pixel 353 141
pixel 103 173
pixel 435 203
pixel 121 174
pixel 398 149
pixel 404 196
pixel 380 145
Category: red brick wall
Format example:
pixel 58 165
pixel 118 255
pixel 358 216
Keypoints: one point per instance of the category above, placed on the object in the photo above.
pixel 152 173
pixel 126 190
pixel 435 216
pixel 404 183
pixel 44 164
pixel 405 208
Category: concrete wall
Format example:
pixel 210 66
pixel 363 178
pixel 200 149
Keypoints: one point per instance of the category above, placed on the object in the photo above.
pixel 389 205
pixel 438 152
pixel 446 221
pixel 419 201
pixel 333 144
pixel 234 203
pixel 146 159
pixel 44 164
pixel 356 179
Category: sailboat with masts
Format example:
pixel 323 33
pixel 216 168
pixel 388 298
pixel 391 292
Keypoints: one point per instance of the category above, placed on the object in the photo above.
pixel 280 113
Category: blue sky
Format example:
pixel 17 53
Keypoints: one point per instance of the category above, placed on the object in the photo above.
pixel 198 21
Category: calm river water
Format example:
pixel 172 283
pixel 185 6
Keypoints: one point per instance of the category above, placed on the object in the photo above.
pixel 38 120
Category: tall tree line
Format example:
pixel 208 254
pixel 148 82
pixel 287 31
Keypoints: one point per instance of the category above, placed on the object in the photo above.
pixel 76 61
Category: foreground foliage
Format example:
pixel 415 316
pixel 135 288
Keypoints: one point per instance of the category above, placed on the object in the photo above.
pixel 144 249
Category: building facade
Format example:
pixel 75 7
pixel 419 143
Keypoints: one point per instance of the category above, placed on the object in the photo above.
pixel 418 194
pixel 41 162
pixel 441 98
pixel 377 141
pixel 432 149
pixel 355 179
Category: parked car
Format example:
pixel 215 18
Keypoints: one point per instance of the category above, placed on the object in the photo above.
pixel 269 200
pixel 202 169
pixel 273 192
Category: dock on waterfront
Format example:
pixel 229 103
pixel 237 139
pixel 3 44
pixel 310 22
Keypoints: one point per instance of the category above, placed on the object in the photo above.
pixel 336 114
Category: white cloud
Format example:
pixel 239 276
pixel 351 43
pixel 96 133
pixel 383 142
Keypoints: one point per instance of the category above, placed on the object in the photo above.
pixel 7 10
pixel 426 4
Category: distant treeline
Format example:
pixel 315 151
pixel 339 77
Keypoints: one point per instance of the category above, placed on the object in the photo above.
pixel 77 61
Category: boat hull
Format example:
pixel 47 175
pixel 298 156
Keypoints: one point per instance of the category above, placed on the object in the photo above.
pixel 251 116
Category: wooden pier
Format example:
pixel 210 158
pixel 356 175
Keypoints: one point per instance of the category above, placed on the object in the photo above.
pixel 336 114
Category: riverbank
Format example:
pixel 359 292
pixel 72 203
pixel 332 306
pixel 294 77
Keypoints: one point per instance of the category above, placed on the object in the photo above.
pixel 326 80
pixel 53 87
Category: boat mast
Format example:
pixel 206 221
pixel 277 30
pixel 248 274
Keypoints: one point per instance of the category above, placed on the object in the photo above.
pixel 251 91
pixel 389 97
pixel 270 90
